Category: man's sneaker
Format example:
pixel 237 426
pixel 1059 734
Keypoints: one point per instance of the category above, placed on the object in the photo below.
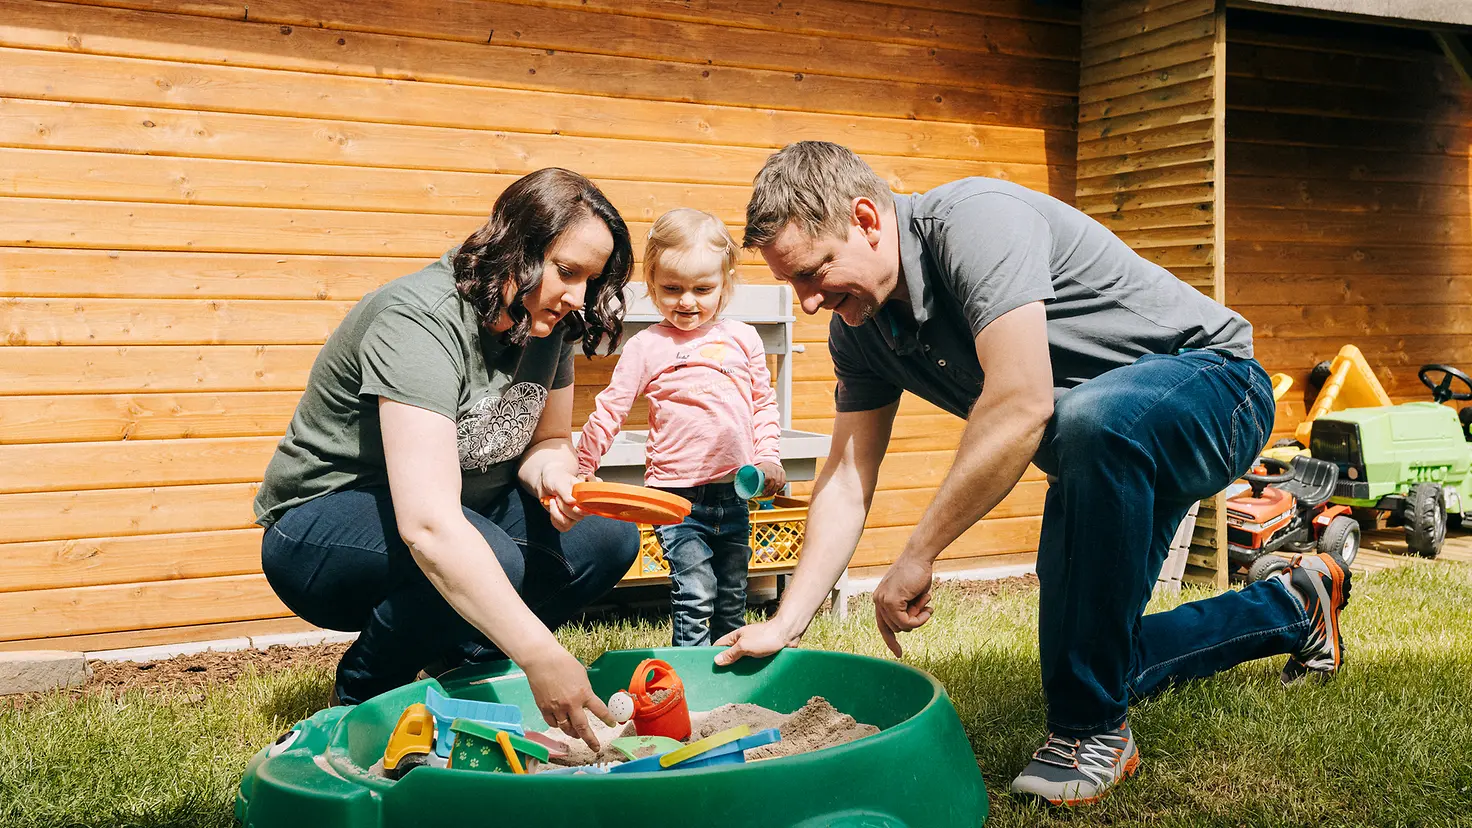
pixel 1068 771
pixel 1321 582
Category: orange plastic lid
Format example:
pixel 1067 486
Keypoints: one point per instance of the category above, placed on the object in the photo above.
pixel 636 504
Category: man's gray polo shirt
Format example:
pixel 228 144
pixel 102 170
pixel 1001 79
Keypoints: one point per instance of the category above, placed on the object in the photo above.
pixel 977 248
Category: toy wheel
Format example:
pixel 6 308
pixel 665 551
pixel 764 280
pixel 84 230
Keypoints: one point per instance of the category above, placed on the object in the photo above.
pixel 1341 539
pixel 1265 567
pixel 1442 391
pixel 1425 519
pixel 1454 521
pixel 1321 373
pixel 408 763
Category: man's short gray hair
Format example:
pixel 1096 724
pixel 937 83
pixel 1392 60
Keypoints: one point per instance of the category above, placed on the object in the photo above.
pixel 812 183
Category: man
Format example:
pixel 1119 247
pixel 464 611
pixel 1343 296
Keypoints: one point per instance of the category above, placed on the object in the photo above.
pixel 1060 346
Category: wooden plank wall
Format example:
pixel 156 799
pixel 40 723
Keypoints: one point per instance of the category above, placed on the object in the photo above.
pixel 193 192
pixel 1349 163
pixel 1149 157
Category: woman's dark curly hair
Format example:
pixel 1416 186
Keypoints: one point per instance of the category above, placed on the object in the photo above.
pixel 512 244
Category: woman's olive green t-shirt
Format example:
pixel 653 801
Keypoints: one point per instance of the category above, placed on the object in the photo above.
pixel 414 341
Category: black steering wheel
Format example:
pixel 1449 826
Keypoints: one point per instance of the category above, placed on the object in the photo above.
pixel 1258 482
pixel 1442 391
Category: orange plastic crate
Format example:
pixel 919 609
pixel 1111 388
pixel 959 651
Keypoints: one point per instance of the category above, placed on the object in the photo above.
pixel 776 542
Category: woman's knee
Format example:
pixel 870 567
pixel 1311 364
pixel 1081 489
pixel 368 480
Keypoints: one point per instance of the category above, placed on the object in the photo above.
pixel 303 578
pixel 601 548
pixel 622 542
pixel 329 559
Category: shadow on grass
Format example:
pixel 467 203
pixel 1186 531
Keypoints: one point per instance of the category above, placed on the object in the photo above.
pixel 290 702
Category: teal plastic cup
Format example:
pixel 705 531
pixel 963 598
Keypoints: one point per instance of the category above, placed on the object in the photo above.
pixel 749 482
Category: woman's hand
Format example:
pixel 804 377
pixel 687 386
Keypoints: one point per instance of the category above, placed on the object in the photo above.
pixel 559 684
pixel 776 478
pixel 556 495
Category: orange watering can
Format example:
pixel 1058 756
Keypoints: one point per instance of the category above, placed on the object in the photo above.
pixel 669 716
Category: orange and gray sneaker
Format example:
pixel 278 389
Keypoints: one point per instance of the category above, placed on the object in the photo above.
pixel 1066 771
pixel 1321 582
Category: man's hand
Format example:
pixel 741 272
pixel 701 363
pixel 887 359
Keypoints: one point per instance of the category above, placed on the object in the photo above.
pixel 755 640
pixel 776 477
pixel 902 601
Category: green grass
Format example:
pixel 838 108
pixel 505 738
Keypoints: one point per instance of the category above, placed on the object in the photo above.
pixel 1388 744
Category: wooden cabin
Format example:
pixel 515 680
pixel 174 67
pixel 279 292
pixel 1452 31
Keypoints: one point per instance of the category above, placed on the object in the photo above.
pixel 194 192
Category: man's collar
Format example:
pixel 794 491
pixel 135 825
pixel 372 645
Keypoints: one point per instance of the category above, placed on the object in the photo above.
pixel 911 260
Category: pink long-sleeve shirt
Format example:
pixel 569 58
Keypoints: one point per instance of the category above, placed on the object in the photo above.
pixel 712 409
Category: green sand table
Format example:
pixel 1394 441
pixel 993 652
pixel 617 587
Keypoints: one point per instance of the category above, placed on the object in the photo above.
pixel 917 771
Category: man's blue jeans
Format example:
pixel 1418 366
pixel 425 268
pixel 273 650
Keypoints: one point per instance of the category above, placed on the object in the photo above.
pixel 708 554
pixel 1131 450
pixel 338 562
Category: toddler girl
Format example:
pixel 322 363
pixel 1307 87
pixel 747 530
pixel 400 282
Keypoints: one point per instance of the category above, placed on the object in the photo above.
pixel 712 410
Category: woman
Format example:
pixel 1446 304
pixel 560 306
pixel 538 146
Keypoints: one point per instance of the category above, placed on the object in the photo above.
pixel 392 505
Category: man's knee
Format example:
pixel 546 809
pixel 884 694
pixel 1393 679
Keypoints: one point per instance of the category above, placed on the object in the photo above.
pixel 1093 430
pixel 1083 418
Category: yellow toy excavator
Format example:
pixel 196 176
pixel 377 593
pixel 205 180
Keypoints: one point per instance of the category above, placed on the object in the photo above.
pixel 1348 382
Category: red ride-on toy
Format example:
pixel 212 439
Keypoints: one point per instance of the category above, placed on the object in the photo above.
pixel 1285 508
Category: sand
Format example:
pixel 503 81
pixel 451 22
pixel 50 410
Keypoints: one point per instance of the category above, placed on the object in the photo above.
pixel 813 726
pixel 578 752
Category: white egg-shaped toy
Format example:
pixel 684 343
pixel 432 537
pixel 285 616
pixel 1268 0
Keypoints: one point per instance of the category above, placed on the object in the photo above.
pixel 621 705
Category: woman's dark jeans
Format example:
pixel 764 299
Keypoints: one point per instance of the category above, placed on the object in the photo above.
pixel 338 562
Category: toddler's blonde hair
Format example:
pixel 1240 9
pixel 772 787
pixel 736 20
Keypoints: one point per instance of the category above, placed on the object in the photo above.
pixel 685 228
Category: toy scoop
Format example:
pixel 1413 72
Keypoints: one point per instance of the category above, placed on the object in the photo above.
pixel 637 747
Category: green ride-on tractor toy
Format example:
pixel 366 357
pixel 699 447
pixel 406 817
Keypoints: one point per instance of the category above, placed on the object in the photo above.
pixel 1285 508
pixel 1411 460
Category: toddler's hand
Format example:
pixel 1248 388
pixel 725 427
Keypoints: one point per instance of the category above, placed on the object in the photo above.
pixel 776 478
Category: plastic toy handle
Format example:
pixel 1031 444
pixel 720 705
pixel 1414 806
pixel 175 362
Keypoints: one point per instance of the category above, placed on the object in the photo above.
pixel 1281 384
pixel 694 749
pixel 761 738
pixel 505 742
pixel 641 674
